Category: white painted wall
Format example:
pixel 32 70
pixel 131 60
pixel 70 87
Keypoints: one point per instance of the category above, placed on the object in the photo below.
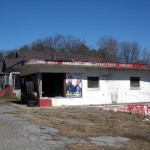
pixel 116 87
pixel 9 81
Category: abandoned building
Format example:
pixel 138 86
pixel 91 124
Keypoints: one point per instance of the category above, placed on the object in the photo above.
pixel 64 79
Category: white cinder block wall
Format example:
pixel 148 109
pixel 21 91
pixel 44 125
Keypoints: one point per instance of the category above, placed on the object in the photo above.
pixel 115 84
pixel 114 87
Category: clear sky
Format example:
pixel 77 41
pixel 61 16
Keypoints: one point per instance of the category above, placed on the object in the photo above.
pixel 24 21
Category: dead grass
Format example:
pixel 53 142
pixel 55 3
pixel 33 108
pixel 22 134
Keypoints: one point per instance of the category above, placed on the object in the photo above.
pixel 92 121
pixel 7 98
pixel 88 147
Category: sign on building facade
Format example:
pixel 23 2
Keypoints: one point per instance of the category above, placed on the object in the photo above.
pixel 73 84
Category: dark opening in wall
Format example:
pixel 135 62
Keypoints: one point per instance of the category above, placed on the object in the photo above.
pixel 53 84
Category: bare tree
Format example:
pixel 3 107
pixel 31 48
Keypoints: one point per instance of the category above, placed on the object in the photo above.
pixel 145 56
pixel 67 43
pixel 24 48
pixel 57 42
pixel 61 43
pixel 71 43
pixel 129 52
pixel 82 49
pixel 135 51
pixel 125 49
pixel 108 49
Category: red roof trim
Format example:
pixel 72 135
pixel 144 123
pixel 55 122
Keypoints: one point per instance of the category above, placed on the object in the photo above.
pixel 100 64
pixel 118 65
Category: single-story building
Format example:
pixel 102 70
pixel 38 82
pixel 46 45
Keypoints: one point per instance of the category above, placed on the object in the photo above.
pixel 10 80
pixel 77 81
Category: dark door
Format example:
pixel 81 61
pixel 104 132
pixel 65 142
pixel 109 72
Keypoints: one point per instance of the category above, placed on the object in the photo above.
pixel 53 84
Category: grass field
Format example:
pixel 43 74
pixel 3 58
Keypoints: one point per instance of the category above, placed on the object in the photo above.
pixel 85 122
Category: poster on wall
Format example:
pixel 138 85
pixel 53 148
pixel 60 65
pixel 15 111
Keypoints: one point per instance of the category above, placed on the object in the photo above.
pixel 73 84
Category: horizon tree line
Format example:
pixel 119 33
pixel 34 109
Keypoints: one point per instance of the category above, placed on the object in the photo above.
pixel 109 49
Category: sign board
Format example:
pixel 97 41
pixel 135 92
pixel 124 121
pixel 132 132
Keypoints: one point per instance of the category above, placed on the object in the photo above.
pixel 73 84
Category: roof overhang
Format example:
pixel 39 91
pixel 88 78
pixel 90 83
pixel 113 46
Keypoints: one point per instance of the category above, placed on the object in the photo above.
pixel 92 64
pixel 32 62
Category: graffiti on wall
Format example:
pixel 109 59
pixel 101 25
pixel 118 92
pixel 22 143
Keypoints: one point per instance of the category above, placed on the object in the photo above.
pixel 73 84
pixel 106 76
pixel 143 109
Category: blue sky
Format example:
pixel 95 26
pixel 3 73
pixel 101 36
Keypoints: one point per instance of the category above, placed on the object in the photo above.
pixel 24 21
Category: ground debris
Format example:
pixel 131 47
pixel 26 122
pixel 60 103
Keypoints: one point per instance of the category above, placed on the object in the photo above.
pixel 89 122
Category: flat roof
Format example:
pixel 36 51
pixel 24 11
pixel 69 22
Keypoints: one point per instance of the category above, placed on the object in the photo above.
pixel 90 64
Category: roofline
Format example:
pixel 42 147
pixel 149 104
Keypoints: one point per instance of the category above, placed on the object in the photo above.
pixel 90 64
pixel 78 63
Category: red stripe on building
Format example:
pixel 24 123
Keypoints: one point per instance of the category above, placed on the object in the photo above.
pixel 100 64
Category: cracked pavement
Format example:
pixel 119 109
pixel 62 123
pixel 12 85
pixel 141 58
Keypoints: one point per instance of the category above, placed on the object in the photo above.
pixel 17 133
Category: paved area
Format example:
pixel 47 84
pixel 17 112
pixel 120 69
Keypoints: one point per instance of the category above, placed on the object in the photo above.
pixel 109 141
pixel 17 133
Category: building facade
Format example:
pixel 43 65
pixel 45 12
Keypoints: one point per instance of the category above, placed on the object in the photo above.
pixel 58 83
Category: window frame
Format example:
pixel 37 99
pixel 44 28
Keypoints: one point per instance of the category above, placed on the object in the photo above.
pixel 93 88
pixel 132 82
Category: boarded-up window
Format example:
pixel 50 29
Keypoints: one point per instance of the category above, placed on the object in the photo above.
pixel 93 82
pixel 134 82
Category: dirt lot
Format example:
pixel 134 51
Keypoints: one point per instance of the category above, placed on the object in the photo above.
pixel 86 122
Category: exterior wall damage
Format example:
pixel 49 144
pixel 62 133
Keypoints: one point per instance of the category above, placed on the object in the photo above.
pixel 142 109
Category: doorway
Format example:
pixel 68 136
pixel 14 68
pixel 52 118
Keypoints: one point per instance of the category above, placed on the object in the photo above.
pixel 53 84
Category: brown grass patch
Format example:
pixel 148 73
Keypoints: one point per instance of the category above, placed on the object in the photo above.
pixel 88 122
